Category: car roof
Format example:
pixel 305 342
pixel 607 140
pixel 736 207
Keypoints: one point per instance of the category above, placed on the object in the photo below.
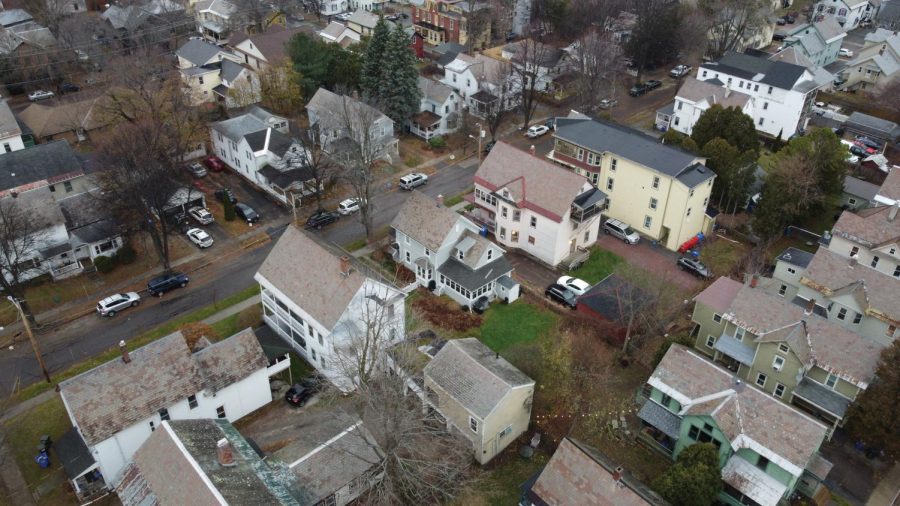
pixel 108 300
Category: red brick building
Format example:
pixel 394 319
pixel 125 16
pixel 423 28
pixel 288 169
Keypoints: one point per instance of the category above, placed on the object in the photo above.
pixel 439 21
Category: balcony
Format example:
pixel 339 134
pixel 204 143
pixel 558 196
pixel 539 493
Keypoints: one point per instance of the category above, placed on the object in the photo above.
pixel 587 205
pixel 733 353
pixel 660 428
pixel 820 401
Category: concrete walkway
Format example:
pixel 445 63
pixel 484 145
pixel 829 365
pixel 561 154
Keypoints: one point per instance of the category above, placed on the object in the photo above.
pixel 888 489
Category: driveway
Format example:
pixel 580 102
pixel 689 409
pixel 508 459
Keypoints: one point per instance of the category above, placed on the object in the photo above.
pixel 654 259
pixel 530 272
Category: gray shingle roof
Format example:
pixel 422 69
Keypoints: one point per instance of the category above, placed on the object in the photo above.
pixel 231 70
pixel 115 395
pixel 773 73
pixel 796 257
pixel 8 124
pixel 822 396
pixel 475 279
pixel 877 127
pixel 39 205
pixel 73 453
pixel 10 17
pixel 602 136
pixel 860 188
pixel 310 276
pixel 434 91
pixel 425 220
pixel 198 52
pixel 54 159
pixel 328 107
pixel 473 375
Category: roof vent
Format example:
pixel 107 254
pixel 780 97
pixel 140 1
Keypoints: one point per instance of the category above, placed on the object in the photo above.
pixel 786 256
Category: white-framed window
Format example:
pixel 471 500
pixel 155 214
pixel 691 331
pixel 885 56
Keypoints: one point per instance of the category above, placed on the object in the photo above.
pixel 857 317
pixel 778 362
pixel 653 203
pixel 761 380
pixel 587 236
pixel 534 222
pixel 613 164
pixel 842 314
pixel 874 261
pixel 648 221
pixel 490 254
pixel 502 232
pixel 504 211
pixel 765 105
pixel 517 215
pixel 783 348
pixel 739 333
pixel 688 212
pixel 710 341
pixel 792 270
pixel 473 424
pixel 831 380
pixel 760 122
pixel 717 318
pixel 655 182
pixel 782 289
pixel 779 390
pixel 609 183
pixel 854 250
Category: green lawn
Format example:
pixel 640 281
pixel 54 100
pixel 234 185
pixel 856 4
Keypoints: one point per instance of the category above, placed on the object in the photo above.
pixel 499 485
pixel 602 263
pixel 722 256
pixel 250 317
pixel 23 434
pixel 300 368
pixel 506 325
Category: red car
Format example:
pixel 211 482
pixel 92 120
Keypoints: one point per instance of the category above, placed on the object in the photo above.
pixel 213 163
pixel 869 149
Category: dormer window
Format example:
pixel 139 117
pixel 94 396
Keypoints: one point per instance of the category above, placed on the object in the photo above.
pixel 460 254
pixel 490 254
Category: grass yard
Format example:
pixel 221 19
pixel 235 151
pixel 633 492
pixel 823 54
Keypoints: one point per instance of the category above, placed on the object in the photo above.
pixel 498 485
pixel 602 263
pixel 355 245
pixel 722 255
pixel 250 317
pixel 505 325
pixel 300 368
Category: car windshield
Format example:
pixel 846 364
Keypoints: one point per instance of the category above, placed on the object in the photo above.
pixel 629 231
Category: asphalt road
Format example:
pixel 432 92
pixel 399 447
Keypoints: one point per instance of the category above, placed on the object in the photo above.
pixel 91 335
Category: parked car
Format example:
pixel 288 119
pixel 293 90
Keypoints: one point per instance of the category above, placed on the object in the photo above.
pixel 348 206
pixel 163 283
pixel 69 88
pixel 115 303
pixel 779 37
pixel 320 219
pixel 537 131
pixel 246 213
pixel 780 22
pixel 680 71
pixel 199 237
pixel 213 163
pixel 621 230
pixel 859 151
pixel 225 193
pixel 869 143
pixel 851 159
pixel 413 180
pixel 562 295
pixel 638 90
pixel 300 393
pixel 694 266
pixel 608 103
pixel 550 123
pixel 481 304
pixel 789 19
pixel 201 215
pixel 489 146
pixel 34 96
pixel 865 147
pixel 82 56
pixel 653 84
pixel 846 53
pixel 197 169
pixel 574 285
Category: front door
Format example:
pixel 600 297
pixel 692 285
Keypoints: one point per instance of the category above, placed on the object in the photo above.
pixel 572 245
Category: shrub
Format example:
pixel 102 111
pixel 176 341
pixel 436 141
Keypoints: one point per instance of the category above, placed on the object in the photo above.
pixel 126 255
pixel 104 264
pixel 437 142
pixel 412 161
pixel 444 313
pixel 228 207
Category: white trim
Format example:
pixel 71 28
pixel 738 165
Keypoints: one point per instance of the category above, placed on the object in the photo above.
pixel 671 392
pixel 324 445
pixel 165 425
pixel 744 441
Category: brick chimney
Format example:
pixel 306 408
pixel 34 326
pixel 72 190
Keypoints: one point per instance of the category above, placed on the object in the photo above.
pixel 754 279
pixel 346 267
pixel 440 201
pixel 124 349
pixel 225 453
pixel 618 473
pixel 810 306
pixel 532 150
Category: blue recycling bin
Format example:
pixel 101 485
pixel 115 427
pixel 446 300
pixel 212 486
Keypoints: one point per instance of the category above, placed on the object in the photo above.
pixel 43 460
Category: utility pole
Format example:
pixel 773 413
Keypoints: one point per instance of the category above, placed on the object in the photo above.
pixel 34 344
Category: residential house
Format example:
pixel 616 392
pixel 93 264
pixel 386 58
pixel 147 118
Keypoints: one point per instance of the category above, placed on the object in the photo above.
pixel 257 146
pixel 483 82
pixel 439 21
pixel 696 97
pixel 662 191
pixel 207 460
pixel 362 21
pixel 333 7
pixel 339 33
pixel 22 37
pixel 264 50
pixel 439 111
pixel 858 194
pixel 448 253
pixel 348 127
pixel 215 75
pixel 153 17
pixel 848 13
pixel 785 347
pixel 54 165
pixel 215 19
pixel 767 450
pixel 819 41
pixel 537 62
pixel 116 406
pixel 551 222
pixel 876 64
pixel 888 15
pixel 889 193
pixel 324 305
pixel 856 276
pixel 782 92
pixel 367 5
pixel 67 6
pixel 445 53
pixel 10 131
pixel 72 121
pixel 479 394
pixel 877 129
pixel 580 474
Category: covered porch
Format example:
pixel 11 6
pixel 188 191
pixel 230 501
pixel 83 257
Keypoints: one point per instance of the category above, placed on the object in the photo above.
pixel 821 402
pixel 747 484
pixel 80 467
pixel 732 353
pixel 588 205
pixel 482 103
pixel 425 124
pixel 659 427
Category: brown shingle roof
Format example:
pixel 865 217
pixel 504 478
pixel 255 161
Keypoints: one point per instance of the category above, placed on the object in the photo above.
pixel 535 183
pixel 719 294
pixel 310 276
pixel 425 220
pixel 890 188
pixel 870 227
pixel 697 91
pixel 272 43
pixel 47 120
pixel 231 360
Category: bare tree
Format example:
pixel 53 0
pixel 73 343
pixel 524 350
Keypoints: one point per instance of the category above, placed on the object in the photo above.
pixel 478 22
pixel 731 23
pixel 596 58
pixel 321 167
pixel 49 13
pixel 527 64
pixel 497 112
pixel 22 235
pixel 647 305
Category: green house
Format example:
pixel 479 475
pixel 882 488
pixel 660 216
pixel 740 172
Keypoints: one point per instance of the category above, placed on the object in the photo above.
pixel 789 350
pixel 767 449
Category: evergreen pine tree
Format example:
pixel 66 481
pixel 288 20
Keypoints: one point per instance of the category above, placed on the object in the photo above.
pixel 400 93
pixel 374 61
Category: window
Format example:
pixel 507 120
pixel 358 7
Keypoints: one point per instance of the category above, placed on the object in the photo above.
pixel 613 164
pixel 679 105
pixel 427 253
pixel 778 362
pixel 514 236
pixel 897 271
pixel 517 215
pixel 842 314
pixel 688 212
pixel 490 254
pixel 792 270
pixel 192 401
pixel 762 462
pixel 152 426
pixel 67 186
pixel 892 251
pixel 783 348
pixel 770 90
pixel 779 390
pixel 609 183
pixel 587 236
pixel 717 318
pixel 319 334
pixel 220 412
pixel 666 400
pixel 831 381
pixel 502 232
pixel 504 211
pixel 854 251
pixel 648 221
pixel 164 414
pixel 677 120
pixel 756 87
pixel 729 81
pixel 739 333
pixel 760 122
pixel 741 84
pixel 460 254
pixel 874 261
pixel 890 330
pixel 782 289
pixel 710 341
pixel 312 353
pixel 655 182
pixel 7 147
pixel 857 317
pixel 201 79
pixel 653 203
pixel 593 158
pixel 761 380
pixel 851 201
pixel 765 105
pixel 534 222
pixel 704 73
pixel 473 424
pixel 408 259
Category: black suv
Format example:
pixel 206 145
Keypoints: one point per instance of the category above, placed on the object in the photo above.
pixel 69 88
pixel 246 213
pixel 162 284
pixel 320 219
pixel 638 90
pixel 301 392
pixel 652 84
pixel 561 295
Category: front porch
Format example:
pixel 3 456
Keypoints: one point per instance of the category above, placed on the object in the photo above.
pixel 80 467
pixel 732 353
pixel 659 428
pixel 482 103
pixel 821 402
pixel 426 125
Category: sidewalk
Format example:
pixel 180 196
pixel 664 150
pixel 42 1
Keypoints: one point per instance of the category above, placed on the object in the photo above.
pixel 888 489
